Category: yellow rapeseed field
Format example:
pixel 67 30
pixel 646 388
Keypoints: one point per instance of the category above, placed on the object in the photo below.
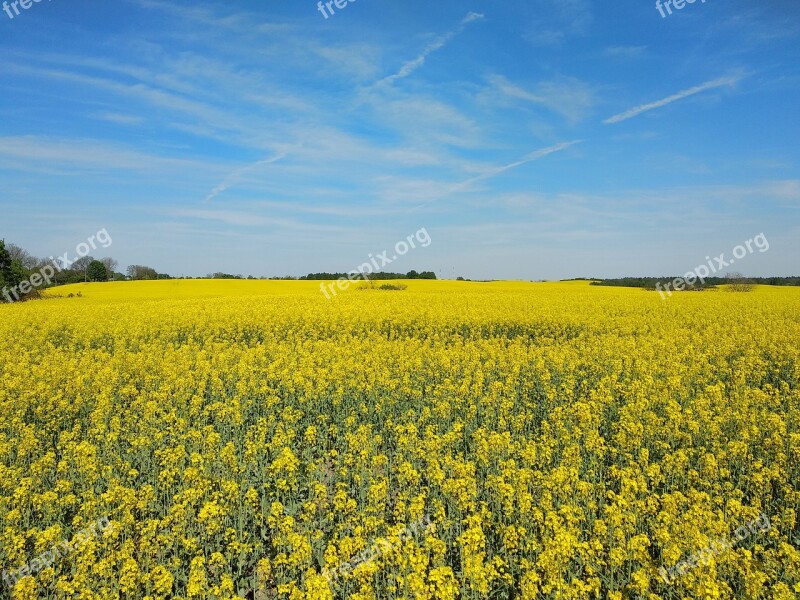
pixel 451 440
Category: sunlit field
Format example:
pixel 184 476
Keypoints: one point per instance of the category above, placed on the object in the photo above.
pixel 450 440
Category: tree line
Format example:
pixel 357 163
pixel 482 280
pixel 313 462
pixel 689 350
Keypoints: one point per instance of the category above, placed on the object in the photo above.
pixel 734 279
pixel 376 276
pixel 325 276
pixel 23 275
pixel 19 272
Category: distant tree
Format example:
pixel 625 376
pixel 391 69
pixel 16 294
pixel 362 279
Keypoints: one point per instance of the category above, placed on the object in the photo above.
pixel 96 271
pixel 23 257
pixel 82 266
pixel 11 270
pixel 738 283
pixel 5 263
pixel 139 272
pixel 11 273
pixel 110 264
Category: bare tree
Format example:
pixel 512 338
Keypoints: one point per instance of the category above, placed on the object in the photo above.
pixel 141 272
pixel 111 265
pixel 738 283
pixel 26 259
pixel 82 266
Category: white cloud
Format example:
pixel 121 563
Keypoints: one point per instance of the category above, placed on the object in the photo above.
pixel 35 151
pixel 624 51
pixel 567 96
pixel 119 118
pixel 555 22
pixel 358 60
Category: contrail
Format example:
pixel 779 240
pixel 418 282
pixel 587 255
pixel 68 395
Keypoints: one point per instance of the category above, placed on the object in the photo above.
pixel 412 65
pixel 496 171
pixel 237 175
pixel 637 110
pixel 529 158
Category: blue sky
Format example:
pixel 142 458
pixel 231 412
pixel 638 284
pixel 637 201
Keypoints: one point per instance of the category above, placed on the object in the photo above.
pixel 531 139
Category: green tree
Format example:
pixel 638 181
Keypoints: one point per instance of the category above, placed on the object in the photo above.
pixel 96 271
pixel 11 271
pixel 5 260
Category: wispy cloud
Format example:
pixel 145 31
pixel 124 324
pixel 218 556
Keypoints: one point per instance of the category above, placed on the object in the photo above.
pixel 238 174
pixel 239 21
pixel 35 152
pixel 709 85
pixel 412 65
pixel 624 51
pixel 119 118
pixel 567 96
pixel 310 138
pixel 698 204
pixel 250 218
pixel 556 22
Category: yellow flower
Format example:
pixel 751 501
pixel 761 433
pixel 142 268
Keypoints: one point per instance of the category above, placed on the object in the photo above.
pixel 256 436
pixel 198 584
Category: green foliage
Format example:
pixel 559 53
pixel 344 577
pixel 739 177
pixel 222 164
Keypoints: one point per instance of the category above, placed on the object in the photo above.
pixel 11 272
pixel 710 282
pixel 5 258
pixel 393 287
pixel 424 275
pixel 376 276
pixel 139 272
pixel 97 271
pixel 387 287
